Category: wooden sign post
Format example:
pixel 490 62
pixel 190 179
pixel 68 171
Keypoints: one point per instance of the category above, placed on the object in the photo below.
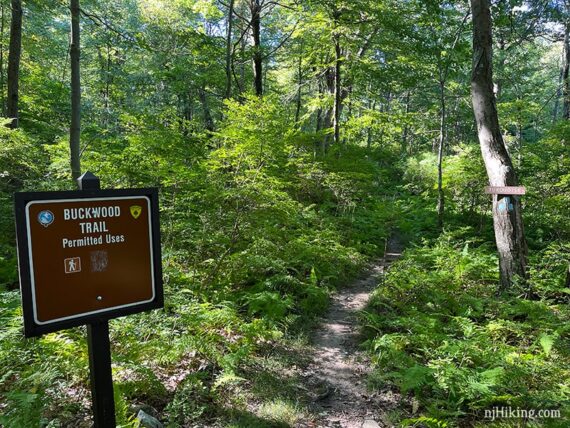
pixel 86 257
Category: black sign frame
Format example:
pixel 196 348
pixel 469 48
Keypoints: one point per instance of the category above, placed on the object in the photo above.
pixel 31 328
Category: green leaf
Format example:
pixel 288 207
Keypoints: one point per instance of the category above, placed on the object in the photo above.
pixel 547 341
pixel 415 377
pixel 314 278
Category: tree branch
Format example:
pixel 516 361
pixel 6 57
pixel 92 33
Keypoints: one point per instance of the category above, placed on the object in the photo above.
pixel 282 42
pixel 97 20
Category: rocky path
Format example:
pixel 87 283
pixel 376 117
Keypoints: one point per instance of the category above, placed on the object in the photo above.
pixel 336 379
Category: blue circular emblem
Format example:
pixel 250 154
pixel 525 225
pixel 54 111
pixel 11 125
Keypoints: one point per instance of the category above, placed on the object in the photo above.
pixel 45 218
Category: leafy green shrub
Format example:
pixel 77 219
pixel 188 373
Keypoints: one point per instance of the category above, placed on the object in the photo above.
pixel 421 174
pixel 22 163
pixel 545 174
pixel 190 402
pixel 30 369
pixel 25 409
pixel 549 269
pixel 256 234
pixel 438 331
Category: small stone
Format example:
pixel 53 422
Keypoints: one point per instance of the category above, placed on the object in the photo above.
pixel 370 423
pixel 147 421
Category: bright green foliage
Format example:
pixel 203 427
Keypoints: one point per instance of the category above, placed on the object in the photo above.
pixel 463 181
pixel 255 236
pixel 440 333
pixel 30 367
pixel 547 166
pixel 259 226
pixel 22 163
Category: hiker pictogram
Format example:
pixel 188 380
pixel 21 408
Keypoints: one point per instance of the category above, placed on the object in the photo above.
pixel 73 265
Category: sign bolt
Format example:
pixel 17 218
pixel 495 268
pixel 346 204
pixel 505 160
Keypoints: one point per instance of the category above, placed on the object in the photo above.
pixel 99 298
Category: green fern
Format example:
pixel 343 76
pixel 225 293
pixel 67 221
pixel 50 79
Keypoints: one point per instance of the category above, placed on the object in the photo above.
pixel 424 421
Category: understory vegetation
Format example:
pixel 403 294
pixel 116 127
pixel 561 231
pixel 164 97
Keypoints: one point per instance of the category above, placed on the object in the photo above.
pixel 256 234
pixel 291 142
pixel 439 332
pixel 444 338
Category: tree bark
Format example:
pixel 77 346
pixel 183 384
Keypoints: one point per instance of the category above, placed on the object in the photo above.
pixel 105 63
pixel 74 54
pixel 107 93
pixel 2 95
pixel 507 215
pixel 372 106
pixel 228 93
pixel 337 90
pixel 208 120
pixel 406 130
pixel 328 121
pixel 299 86
pixel 559 87
pixel 255 7
pixel 12 107
pixel 440 195
pixel 241 81
pixel 319 118
pixel 565 76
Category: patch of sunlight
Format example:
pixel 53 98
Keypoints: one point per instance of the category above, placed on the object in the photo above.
pixel 281 411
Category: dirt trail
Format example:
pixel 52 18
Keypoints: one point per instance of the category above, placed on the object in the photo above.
pixel 337 377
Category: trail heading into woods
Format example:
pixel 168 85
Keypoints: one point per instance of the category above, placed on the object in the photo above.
pixel 336 379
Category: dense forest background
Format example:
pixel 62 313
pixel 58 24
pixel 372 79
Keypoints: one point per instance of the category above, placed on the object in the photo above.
pixel 290 140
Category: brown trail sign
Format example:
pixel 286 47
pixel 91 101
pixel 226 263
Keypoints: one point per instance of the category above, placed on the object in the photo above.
pixel 505 190
pixel 93 257
pixel 86 257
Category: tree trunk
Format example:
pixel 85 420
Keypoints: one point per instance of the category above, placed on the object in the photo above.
pixel 328 121
pixel 14 63
pixel 106 81
pixel 507 216
pixel 2 95
pixel 228 93
pixel 440 195
pixel 565 77
pixel 299 86
pixel 107 94
pixel 257 57
pixel 563 70
pixel 208 121
pixel 337 91
pixel 319 118
pixel 372 106
pixel 74 53
pixel 241 82
pixel 327 125
pixel 520 140
pixel 406 130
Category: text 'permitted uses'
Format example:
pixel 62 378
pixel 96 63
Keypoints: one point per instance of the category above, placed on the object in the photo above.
pixel 87 256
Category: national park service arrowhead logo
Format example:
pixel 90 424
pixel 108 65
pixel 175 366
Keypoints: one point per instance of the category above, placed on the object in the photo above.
pixel 136 211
